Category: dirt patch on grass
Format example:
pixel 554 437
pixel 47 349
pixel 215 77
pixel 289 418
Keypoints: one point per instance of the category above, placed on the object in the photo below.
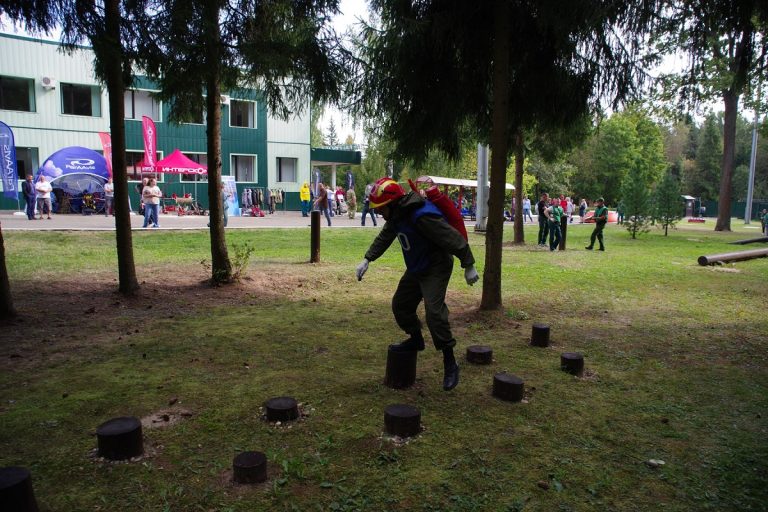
pixel 62 317
pixel 165 418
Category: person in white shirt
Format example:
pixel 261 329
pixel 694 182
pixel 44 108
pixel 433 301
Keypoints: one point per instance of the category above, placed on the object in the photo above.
pixel 109 197
pixel 43 189
pixel 151 195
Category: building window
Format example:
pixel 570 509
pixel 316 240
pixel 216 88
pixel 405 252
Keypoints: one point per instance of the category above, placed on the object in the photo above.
pixel 242 114
pixel 141 103
pixel 133 163
pixel 26 161
pixel 200 158
pixel 80 100
pixel 17 94
pixel 244 168
pixel 286 169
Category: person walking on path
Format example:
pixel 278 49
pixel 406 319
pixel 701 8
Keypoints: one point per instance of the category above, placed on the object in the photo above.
pixel 367 205
pixel 151 195
pixel 620 213
pixel 543 222
pixel 765 222
pixel 30 194
pixel 351 203
pixel 109 197
pixel 43 189
pixel 304 196
pixel 429 244
pixel 322 202
pixel 601 217
pixel 554 213
pixel 582 209
pixel 569 209
pixel 527 209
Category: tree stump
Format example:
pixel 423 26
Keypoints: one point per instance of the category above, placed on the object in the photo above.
pixel 401 369
pixel 249 468
pixel 120 438
pixel 479 354
pixel 572 362
pixel 540 335
pixel 508 387
pixel 402 420
pixel 16 490
pixel 283 408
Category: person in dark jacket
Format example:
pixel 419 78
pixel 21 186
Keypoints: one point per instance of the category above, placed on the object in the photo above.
pixel 30 194
pixel 429 244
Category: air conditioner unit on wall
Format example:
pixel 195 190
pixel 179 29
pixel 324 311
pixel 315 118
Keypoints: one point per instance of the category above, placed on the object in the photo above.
pixel 48 82
pixel 224 99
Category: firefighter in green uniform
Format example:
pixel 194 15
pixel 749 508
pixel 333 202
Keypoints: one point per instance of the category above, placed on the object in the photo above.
pixel 601 217
pixel 429 244
pixel 554 213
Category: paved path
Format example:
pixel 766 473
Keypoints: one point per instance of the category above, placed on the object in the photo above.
pixel 13 221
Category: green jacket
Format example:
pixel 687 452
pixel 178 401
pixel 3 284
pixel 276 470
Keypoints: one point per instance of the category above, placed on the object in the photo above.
pixel 444 239
pixel 601 211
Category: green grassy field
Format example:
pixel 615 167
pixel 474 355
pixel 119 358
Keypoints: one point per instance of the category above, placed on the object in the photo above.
pixel 675 356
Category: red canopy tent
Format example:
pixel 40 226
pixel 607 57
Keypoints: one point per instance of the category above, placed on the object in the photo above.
pixel 177 163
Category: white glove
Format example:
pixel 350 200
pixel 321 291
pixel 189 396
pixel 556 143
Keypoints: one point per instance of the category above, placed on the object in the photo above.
pixel 361 269
pixel 471 275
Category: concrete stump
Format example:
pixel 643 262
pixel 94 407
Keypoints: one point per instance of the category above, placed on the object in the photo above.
pixel 120 438
pixel 16 490
pixel 540 335
pixel 283 408
pixel 508 387
pixel 249 468
pixel 401 369
pixel 572 362
pixel 402 420
pixel 479 354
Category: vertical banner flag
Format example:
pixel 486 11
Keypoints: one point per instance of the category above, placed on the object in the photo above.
pixel 106 143
pixel 230 189
pixel 315 181
pixel 8 162
pixel 350 180
pixel 150 141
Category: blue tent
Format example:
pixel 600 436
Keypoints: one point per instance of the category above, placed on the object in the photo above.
pixel 74 172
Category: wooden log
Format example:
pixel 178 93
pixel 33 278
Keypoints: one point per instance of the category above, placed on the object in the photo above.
pixel 479 354
pixel 763 239
pixel 732 256
pixel 402 420
pixel 314 249
pixel 249 468
pixel 120 438
pixel 572 362
pixel 563 231
pixel 508 387
pixel 16 493
pixel 540 335
pixel 401 369
pixel 282 408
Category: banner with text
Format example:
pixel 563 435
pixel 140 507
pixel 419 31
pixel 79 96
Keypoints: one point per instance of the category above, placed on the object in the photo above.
pixel 150 143
pixel 8 163
pixel 106 144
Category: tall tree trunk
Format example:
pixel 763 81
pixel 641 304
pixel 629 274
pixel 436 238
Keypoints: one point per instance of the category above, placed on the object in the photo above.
pixel 221 268
pixel 6 300
pixel 112 56
pixel 519 160
pixel 491 298
pixel 731 101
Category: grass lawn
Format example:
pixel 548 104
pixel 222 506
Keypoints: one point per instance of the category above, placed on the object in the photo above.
pixel 675 356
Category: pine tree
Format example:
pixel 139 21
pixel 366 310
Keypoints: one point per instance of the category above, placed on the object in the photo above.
pixel 332 138
pixel 637 204
pixel 667 208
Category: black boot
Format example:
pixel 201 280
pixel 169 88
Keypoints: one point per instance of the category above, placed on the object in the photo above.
pixel 414 343
pixel 451 375
pixel 589 247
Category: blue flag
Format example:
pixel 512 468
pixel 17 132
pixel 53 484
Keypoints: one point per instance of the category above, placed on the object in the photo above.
pixel 8 162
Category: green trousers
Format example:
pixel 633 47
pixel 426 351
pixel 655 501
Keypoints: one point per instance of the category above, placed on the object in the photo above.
pixel 429 286
pixel 597 233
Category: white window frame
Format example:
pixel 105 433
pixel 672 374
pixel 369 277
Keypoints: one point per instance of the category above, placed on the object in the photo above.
pixel 278 169
pixel 156 116
pixel 233 170
pixel 199 178
pixel 255 114
pixel 95 93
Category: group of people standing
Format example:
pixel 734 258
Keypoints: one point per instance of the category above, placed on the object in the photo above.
pixel 37 194
pixel 551 211
pixel 150 195
pixel 330 202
